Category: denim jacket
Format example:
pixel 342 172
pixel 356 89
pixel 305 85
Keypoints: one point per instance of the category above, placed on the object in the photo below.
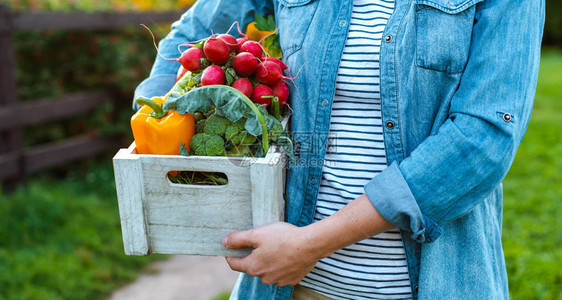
pixel 457 81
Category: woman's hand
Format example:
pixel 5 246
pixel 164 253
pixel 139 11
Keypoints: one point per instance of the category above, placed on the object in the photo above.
pixel 283 253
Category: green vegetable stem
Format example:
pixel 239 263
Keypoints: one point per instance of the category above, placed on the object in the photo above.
pixel 158 112
pixel 276 108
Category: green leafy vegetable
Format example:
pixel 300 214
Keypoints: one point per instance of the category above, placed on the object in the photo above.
pixel 203 144
pixel 216 125
pixel 274 127
pixel 229 103
pixel 236 135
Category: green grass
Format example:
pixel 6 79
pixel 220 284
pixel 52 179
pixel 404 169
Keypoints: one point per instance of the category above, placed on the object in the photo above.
pixel 222 296
pixel 532 234
pixel 61 239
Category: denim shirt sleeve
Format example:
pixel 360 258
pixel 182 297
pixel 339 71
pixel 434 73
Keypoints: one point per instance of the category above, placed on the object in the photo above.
pixel 204 18
pixel 452 171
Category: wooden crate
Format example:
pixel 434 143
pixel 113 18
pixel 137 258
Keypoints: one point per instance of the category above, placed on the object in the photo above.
pixel 158 216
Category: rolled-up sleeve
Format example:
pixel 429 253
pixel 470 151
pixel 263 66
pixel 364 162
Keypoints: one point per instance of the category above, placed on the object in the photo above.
pixel 452 171
pixel 203 19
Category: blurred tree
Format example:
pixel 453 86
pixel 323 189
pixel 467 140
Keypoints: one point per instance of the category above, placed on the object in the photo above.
pixel 553 24
pixel 97 5
pixel 55 63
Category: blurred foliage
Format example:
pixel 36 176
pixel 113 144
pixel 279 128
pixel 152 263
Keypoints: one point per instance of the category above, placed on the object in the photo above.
pixel 553 23
pixel 56 63
pixel 532 194
pixel 61 239
pixel 97 5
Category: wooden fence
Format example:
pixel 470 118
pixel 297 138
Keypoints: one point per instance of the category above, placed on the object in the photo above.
pixel 16 162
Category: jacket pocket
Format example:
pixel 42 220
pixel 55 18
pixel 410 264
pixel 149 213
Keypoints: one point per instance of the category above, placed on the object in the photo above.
pixel 443 33
pixel 293 20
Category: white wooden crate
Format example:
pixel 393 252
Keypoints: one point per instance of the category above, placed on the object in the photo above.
pixel 158 216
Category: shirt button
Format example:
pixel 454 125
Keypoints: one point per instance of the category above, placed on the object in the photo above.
pixel 388 38
pixel 313 181
pixel 416 288
pixel 507 117
pixel 325 102
pixel 389 124
pixel 342 23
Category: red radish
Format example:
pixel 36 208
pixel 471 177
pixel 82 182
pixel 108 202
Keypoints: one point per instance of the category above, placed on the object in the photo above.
pixel 245 64
pixel 217 51
pixel 245 86
pixel 190 59
pixel 281 91
pixel 276 60
pixel 229 40
pixel 252 47
pixel 240 42
pixel 181 72
pixel 261 91
pixel 269 72
pixel 213 75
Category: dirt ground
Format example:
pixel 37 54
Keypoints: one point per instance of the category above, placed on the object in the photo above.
pixel 182 277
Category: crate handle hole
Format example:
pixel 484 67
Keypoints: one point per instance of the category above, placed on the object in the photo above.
pixel 197 178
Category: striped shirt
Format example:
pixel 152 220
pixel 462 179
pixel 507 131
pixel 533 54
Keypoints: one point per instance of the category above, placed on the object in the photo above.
pixel 374 268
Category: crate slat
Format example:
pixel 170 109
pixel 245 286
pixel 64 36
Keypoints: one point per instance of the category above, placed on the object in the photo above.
pixel 129 186
pixel 270 169
pixel 200 241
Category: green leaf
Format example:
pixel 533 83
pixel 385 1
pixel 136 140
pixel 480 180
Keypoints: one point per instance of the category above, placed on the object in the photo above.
pixel 182 84
pixel 230 76
pixel 230 60
pixel 200 45
pixel 205 63
pixel 253 124
pixel 197 79
pixel 273 46
pixel 264 24
pixel 183 150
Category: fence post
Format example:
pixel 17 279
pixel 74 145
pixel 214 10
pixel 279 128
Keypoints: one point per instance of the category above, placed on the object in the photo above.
pixel 11 142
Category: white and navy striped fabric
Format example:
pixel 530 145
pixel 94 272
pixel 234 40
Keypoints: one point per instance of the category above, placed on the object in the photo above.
pixel 374 268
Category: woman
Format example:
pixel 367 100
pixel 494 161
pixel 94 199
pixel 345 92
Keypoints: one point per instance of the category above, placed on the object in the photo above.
pixel 436 97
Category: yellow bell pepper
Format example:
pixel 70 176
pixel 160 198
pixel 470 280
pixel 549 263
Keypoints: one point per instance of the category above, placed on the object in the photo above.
pixel 159 132
pixel 257 35
pixel 254 33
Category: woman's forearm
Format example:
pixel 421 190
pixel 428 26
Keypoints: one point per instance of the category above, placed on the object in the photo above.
pixel 283 253
pixel 356 221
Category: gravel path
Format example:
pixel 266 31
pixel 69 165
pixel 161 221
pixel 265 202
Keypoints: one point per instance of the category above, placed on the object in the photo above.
pixel 182 277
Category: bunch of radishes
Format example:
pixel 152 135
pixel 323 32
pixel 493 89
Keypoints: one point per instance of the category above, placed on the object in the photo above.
pixel 241 63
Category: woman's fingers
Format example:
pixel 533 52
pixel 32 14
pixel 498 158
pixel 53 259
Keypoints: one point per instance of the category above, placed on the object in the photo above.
pixel 281 253
pixel 236 263
pixel 240 239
